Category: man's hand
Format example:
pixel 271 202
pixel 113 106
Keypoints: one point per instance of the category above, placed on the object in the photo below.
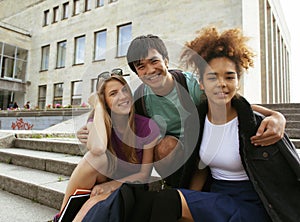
pixel 82 134
pixel 270 130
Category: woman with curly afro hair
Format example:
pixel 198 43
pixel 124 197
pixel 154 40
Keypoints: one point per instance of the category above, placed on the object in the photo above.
pixel 244 182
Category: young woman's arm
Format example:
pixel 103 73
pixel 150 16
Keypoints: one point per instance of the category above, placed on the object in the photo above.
pixel 271 128
pixel 142 176
pixel 198 180
pixel 97 137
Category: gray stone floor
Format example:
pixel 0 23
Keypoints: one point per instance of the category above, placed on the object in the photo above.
pixel 15 208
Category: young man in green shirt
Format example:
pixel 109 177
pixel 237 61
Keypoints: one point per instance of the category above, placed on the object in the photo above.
pixel 173 107
pixel 148 57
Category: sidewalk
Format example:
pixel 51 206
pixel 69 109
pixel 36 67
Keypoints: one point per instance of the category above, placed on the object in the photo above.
pixel 16 208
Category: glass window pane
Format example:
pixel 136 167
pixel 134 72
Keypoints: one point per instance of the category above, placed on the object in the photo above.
pixel 45 57
pixel 100 3
pixel 22 54
pixel 58 89
pixel 76 7
pixel 42 97
pixel 58 93
pixel 77 88
pixel 100 45
pixel 94 84
pixel 46 17
pixel 124 38
pixel 55 14
pixel 61 54
pixel 20 71
pixel 8 67
pixel 79 49
pixel 9 50
pixel 87 5
pixel 76 93
pixel 65 10
pixel 1 46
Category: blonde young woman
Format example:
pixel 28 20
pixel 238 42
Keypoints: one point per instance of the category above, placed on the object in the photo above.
pixel 120 142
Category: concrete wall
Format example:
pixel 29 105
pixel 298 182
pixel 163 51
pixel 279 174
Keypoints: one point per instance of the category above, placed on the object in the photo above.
pixel 40 119
pixel 39 123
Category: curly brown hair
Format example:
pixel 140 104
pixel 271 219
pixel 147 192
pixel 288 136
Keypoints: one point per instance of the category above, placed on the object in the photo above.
pixel 210 44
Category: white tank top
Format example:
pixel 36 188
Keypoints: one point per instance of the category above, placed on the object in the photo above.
pixel 220 151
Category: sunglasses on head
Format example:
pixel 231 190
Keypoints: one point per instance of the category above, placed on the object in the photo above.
pixel 105 75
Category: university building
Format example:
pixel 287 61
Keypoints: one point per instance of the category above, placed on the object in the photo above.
pixel 51 51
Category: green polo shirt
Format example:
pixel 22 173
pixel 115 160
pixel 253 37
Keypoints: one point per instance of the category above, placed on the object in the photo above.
pixel 167 111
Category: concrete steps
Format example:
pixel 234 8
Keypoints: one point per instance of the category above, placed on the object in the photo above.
pixel 46 161
pixel 39 169
pixel 40 186
pixel 57 145
pixel 291 111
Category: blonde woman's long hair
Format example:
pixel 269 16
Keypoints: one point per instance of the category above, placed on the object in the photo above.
pixel 129 137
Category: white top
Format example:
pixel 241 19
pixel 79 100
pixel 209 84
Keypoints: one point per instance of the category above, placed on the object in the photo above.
pixel 220 151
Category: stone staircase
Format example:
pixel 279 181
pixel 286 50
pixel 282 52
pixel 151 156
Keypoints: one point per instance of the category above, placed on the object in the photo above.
pixel 291 112
pixel 39 168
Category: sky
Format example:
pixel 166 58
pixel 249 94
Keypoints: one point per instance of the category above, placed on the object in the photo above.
pixel 290 9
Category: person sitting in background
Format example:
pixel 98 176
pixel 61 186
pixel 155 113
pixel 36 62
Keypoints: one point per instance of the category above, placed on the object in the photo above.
pixel 15 106
pixel 27 105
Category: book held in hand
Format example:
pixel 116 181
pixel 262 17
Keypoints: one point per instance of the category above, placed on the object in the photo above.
pixel 74 204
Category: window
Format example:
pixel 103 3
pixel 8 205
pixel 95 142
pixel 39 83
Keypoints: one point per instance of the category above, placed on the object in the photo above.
pixel 45 57
pixel 8 61
pixel 100 3
pixel 58 94
pixel 65 13
pixel 94 84
pixel 100 45
pixel 55 14
pixel 20 64
pixel 13 61
pixel 76 7
pixel 124 38
pixel 79 50
pixel 61 54
pixel 42 96
pixel 76 93
pixel 87 6
pixel 46 17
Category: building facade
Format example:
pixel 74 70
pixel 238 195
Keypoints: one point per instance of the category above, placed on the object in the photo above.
pixel 52 51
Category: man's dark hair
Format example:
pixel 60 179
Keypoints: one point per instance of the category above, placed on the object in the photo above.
pixel 139 48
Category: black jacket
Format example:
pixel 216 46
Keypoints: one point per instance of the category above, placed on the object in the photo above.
pixel 273 170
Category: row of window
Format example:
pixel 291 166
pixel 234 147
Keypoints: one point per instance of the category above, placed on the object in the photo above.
pixel 76 93
pixel 62 12
pixel 124 33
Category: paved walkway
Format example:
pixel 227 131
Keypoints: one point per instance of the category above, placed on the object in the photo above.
pixel 16 208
